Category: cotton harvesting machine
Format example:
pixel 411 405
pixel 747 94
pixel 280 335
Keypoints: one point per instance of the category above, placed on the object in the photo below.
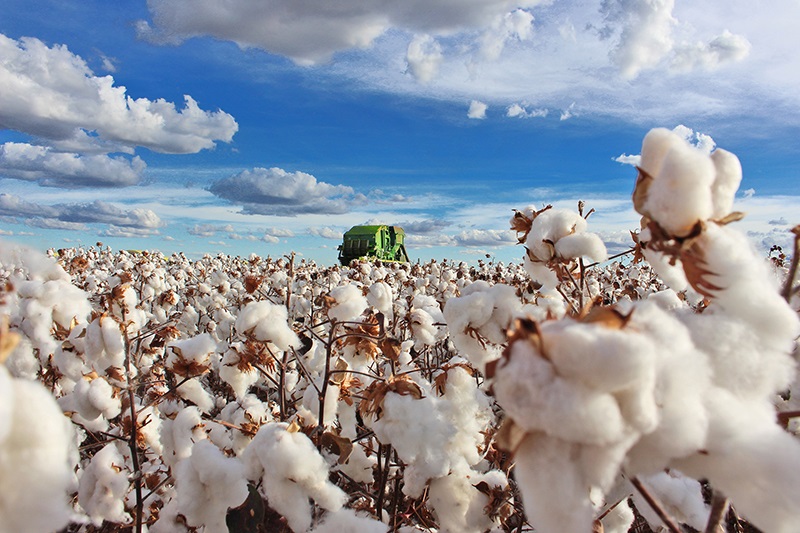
pixel 373 242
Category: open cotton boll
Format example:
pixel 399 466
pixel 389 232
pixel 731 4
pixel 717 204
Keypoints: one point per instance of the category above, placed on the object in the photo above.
pixel 191 356
pixel 380 297
pixel 267 321
pixel 679 194
pixel 193 391
pixel 458 504
pixel 531 392
pixel 36 458
pixel 682 498
pixel 208 483
pixel 103 486
pixel 726 183
pixel 349 303
pixel 548 228
pixel 105 346
pixel 582 244
pixel 423 330
pixel 179 434
pixel 292 471
pixel 239 380
pixel 619 519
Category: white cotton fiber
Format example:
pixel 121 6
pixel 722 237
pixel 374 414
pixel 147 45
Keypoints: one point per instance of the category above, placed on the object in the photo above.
pixel 208 483
pixel 36 458
pixel 292 471
pixel 267 322
pixel 349 303
pixel 103 487
pixel 679 194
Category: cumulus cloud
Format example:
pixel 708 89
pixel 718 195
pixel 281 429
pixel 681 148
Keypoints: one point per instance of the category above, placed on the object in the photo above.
pixel 516 25
pixel 430 226
pixel 700 140
pixel 310 32
pixel 568 113
pixel 51 93
pixel 484 237
pixel 626 159
pixel 273 191
pixel 521 111
pixel 77 216
pixel 326 233
pixel 209 230
pixel 477 110
pixel 424 56
pixel 646 36
pixel 429 241
pixel 50 168
pixel 725 48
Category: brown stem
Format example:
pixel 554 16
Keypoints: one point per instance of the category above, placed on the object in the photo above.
pixel 787 287
pixel 719 508
pixel 655 505
pixel 132 441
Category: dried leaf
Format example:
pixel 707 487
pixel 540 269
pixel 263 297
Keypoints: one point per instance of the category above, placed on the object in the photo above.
pixel 608 317
pixel 390 347
pixel 338 445
pixel 730 217
pixel 697 273
pixel 640 190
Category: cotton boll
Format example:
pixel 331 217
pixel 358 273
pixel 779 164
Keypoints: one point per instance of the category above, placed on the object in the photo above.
pixel 103 486
pixel 36 458
pixel 679 194
pixel 619 519
pixel 728 177
pixel 347 521
pixel 380 297
pixel 193 391
pixel 359 467
pixel 292 470
pixel 458 504
pixel 105 346
pixel 681 497
pixel 311 402
pixel 239 380
pixel 349 303
pixel 267 322
pixel 208 483
pixel 655 146
pixel 423 330
pixel 179 434
pixel 550 226
pixel 582 245
pixel 529 389
pixel 555 495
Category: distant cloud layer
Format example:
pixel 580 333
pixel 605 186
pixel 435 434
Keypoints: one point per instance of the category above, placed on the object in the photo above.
pixel 273 191
pixel 50 93
pixel 48 167
pixel 75 216
pixel 312 31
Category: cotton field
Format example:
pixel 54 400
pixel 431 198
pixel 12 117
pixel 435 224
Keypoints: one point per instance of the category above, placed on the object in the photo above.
pixel 566 393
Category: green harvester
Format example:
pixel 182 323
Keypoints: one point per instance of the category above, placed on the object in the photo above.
pixel 373 242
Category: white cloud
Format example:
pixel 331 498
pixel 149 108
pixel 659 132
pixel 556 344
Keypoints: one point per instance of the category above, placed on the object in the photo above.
pixel 50 168
pixel 517 25
pixel 424 56
pixel 51 93
pixel 477 110
pixel 76 216
pixel 425 227
pixel 626 159
pixel 568 113
pixel 725 48
pixel 429 241
pixel 521 111
pixel 130 233
pixel 646 36
pixel 270 239
pixel 484 237
pixel 274 191
pixel 326 233
pixel 310 32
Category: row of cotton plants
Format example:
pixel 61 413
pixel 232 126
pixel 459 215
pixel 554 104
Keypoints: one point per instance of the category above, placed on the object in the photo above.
pixel 566 393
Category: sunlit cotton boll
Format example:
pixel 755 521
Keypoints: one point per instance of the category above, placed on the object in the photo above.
pixel 266 321
pixel 208 483
pixel 36 458
pixel 103 486
pixel 679 194
pixel 349 303
pixel 292 471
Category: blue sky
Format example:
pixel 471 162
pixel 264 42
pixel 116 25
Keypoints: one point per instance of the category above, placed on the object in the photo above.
pixel 274 126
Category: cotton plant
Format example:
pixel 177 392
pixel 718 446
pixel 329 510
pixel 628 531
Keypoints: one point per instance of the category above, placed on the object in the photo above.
pixel 651 385
pixel 291 471
pixel 103 486
pixel 37 455
pixel 478 319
